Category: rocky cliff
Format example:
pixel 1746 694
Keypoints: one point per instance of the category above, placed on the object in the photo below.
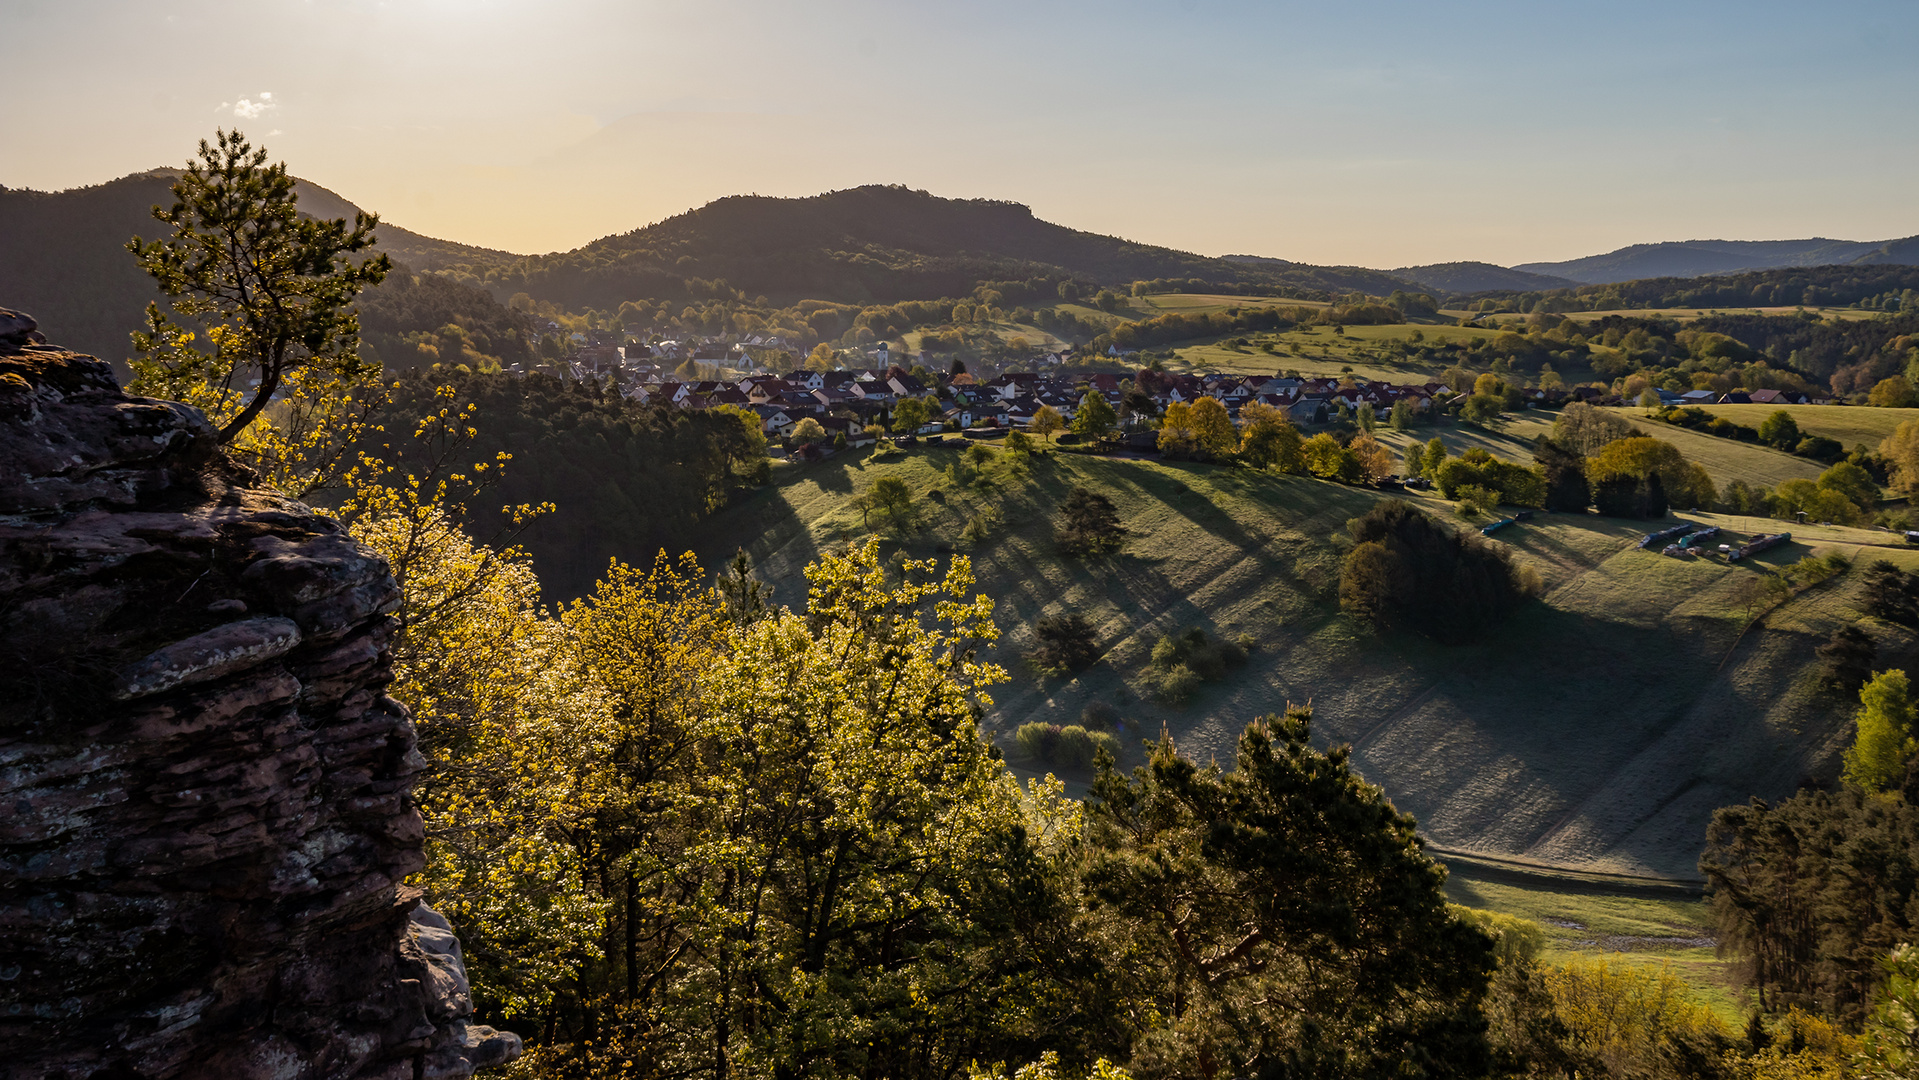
pixel 205 812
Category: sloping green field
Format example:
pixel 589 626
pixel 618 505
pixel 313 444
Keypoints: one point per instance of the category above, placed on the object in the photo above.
pixel 1596 731
pixel 1852 425
pixel 1725 459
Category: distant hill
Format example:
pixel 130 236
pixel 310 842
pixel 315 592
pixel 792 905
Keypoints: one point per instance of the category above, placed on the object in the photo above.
pixel 1697 258
pixel 63 255
pixel 880 244
pixel 1461 278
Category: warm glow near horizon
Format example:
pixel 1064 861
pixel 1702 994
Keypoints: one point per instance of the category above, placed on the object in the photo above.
pixel 1398 135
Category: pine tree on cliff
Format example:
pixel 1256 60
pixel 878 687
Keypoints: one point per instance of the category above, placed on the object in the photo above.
pixel 270 288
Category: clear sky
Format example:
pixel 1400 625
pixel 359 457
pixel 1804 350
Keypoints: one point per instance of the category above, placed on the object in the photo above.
pixel 1375 134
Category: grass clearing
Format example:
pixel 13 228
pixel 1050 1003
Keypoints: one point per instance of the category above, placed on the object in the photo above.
pixel 1727 459
pixel 1199 303
pixel 1596 731
pixel 1511 439
pixel 1852 425
pixel 1587 923
pixel 1317 351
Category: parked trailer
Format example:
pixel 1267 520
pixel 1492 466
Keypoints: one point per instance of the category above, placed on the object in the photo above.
pixel 1758 544
pixel 1666 536
pixel 1497 525
pixel 1693 540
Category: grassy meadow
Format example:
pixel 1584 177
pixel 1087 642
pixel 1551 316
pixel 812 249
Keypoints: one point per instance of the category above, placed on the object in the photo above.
pixel 1594 922
pixel 1728 459
pixel 1595 732
pixel 1852 425
pixel 1511 438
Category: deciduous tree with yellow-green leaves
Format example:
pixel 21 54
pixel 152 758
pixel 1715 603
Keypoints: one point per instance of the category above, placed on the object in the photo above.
pixel 1883 739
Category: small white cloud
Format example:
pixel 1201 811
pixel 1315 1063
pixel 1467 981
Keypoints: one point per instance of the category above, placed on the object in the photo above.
pixel 251 108
pixel 275 131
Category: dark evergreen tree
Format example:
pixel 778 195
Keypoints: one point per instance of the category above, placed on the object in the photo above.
pixel 1891 593
pixel 1848 656
pixel 1617 496
pixel 1811 892
pixel 1651 497
pixel 1280 920
pixel 1088 523
pixel 1565 469
pixel 1063 643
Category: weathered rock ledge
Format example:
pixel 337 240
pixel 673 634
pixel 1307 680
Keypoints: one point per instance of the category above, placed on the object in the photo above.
pixel 205 809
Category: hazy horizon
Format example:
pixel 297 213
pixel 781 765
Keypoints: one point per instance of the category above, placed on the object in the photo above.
pixel 1396 136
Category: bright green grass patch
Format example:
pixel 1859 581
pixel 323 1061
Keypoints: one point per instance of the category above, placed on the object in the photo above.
pixel 1511 438
pixel 1640 932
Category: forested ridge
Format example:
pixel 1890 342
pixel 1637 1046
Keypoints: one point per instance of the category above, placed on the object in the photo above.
pixel 1813 286
pixel 63 258
pixel 1700 258
pixel 873 244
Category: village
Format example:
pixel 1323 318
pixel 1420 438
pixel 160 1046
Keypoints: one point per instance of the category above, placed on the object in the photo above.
pixel 850 401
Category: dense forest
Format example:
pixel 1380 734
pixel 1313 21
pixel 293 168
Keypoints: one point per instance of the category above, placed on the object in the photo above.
pixel 1815 286
pixel 409 321
pixel 626 480
pixel 1703 258
pixel 874 244
pixel 1473 278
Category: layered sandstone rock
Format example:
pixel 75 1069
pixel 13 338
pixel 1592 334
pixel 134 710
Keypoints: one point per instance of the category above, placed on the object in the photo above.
pixel 205 816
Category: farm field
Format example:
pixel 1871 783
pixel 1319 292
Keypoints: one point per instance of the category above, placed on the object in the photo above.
pixel 1317 351
pixel 1685 314
pixel 1850 424
pixel 1728 459
pixel 1596 731
pixel 1512 439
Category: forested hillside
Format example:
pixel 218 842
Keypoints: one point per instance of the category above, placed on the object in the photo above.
pixel 627 480
pixel 1697 258
pixel 1811 287
pixel 63 258
pixel 874 244
pixel 1461 278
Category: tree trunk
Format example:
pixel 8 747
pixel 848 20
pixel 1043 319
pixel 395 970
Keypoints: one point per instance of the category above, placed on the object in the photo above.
pixel 632 940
